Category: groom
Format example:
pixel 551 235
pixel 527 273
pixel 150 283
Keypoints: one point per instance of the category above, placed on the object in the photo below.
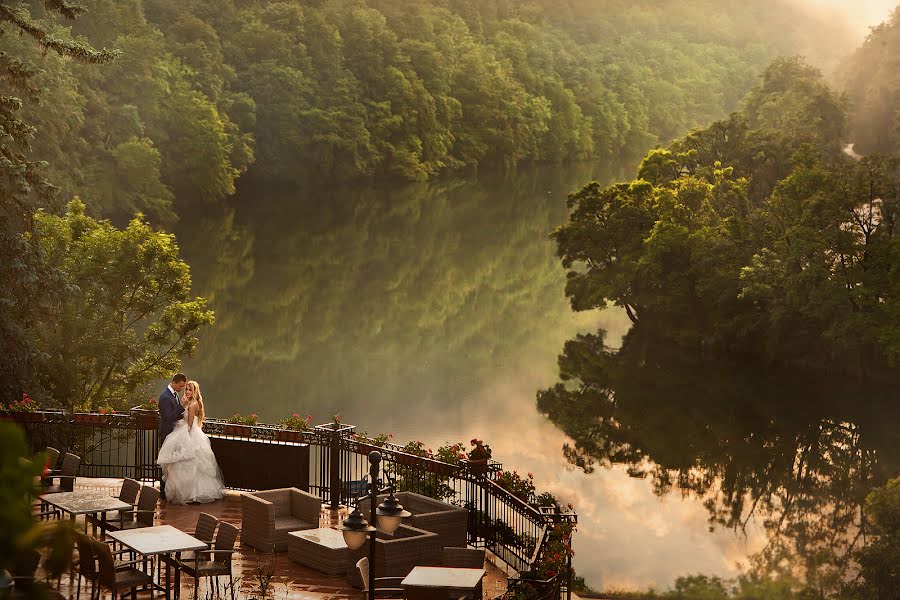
pixel 170 410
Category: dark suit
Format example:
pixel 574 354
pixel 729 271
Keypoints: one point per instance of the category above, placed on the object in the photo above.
pixel 170 410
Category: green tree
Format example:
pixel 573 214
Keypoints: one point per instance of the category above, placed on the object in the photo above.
pixel 129 319
pixel 27 283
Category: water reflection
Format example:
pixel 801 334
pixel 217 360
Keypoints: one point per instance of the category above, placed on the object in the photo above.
pixel 793 452
pixel 433 312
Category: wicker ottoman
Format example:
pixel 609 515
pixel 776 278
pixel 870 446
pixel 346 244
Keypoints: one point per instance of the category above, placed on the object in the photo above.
pixel 321 549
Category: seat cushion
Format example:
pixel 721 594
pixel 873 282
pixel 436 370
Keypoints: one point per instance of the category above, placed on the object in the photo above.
pixel 285 524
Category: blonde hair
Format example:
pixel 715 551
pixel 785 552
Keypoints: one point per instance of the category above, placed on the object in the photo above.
pixel 199 398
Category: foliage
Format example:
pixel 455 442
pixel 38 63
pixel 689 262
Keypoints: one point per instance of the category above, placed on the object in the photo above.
pixel 17 494
pixel 556 557
pixel 480 450
pixel 129 318
pixel 878 578
pixel 755 235
pixel 29 285
pixel 295 422
pixel 150 403
pixel 238 419
pixel 25 404
pixel 410 90
pixel 520 487
pixel 872 84
pixel 424 482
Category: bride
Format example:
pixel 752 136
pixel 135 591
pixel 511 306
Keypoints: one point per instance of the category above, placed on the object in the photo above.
pixel 189 466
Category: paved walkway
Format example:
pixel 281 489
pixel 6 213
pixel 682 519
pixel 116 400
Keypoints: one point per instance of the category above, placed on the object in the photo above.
pixel 289 580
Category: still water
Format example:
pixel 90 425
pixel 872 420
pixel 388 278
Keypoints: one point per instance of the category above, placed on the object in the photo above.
pixel 436 312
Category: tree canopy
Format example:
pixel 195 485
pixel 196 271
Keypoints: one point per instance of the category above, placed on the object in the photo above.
pixel 755 235
pixel 346 89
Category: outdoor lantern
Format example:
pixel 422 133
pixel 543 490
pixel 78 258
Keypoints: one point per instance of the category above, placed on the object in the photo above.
pixel 355 530
pixel 390 512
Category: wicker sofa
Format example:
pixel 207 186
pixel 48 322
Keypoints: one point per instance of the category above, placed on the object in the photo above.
pixel 268 516
pixel 449 522
pixel 396 555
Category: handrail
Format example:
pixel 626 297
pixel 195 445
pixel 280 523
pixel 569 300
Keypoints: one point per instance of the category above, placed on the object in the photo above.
pixel 532 525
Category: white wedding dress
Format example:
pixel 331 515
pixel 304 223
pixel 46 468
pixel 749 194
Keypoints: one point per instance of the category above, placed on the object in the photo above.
pixel 189 466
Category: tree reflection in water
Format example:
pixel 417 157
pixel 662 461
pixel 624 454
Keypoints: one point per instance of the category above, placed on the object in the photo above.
pixel 794 451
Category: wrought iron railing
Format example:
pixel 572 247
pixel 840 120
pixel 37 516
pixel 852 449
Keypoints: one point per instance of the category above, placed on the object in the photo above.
pixel 125 445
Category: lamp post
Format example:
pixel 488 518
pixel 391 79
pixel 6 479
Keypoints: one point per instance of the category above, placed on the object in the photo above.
pixel 388 516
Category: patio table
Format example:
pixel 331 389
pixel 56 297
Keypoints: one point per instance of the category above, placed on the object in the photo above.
pixel 83 502
pixel 322 549
pixel 446 578
pixel 160 539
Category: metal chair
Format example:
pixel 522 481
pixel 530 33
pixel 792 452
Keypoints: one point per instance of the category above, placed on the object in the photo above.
pixel 218 564
pixel 385 587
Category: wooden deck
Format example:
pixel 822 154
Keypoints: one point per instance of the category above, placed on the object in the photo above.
pixel 289 580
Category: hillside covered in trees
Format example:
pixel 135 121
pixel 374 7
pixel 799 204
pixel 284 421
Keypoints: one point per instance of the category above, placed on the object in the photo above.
pixel 871 77
pixel 341 89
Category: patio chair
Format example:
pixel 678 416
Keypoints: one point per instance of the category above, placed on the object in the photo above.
pixel 128 493
pixel 464 558
pixel 449 522
pixel 142 516
pixel 203 531
pixel 67 474
pixel 397 554
pixel 84 564
pixel 385 587
pixel 52 465
pixel 268 516
pixel 220 562
pixel 117 576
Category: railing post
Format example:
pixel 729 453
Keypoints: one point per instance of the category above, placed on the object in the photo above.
pixel 334 476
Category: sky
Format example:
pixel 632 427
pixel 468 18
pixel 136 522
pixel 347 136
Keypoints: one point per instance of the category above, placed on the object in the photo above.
pixel 859 14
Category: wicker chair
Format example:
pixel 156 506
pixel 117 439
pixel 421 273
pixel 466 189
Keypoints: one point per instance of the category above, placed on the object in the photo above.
pixel 464 558
pixel 449 522
pixel 117 576
pixel 142 516
pixel 128 493
pixel 396 555
pixel 268 516
pixel 204 531
pixel 219 564
pixel 67 474
pixel 385 587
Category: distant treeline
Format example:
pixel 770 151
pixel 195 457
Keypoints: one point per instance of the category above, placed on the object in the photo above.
pixel 345 89
pixel 872 80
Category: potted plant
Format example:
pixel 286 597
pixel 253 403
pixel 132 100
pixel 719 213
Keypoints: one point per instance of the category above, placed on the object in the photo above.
pixel 25 410
pixel 292 428
pixel 240 425
pixel 478 456
pixel 147 414
pixel 365 444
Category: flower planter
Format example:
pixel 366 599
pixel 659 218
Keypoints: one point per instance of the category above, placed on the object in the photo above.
pixel 237 430
pixel 364 449
pixel 27 417
pixel 88 418
pixel 287 435
pixel 145 418
pixel 440 468
pixel 478 466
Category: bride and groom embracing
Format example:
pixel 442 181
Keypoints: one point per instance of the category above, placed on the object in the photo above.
pixel 189 467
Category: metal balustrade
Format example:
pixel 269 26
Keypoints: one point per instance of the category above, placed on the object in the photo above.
pixel 125 445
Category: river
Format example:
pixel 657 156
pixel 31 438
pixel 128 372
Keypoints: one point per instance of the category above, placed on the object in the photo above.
pixel 434 312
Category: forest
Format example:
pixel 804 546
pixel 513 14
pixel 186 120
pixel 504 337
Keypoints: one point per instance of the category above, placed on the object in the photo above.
pixel 202 93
